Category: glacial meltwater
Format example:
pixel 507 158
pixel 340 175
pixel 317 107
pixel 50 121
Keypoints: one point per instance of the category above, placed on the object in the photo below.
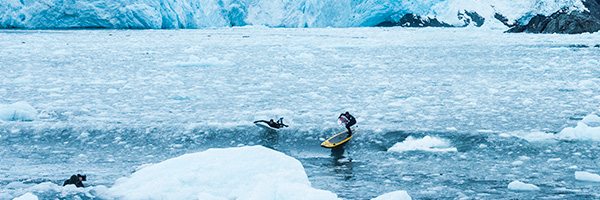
pixel 442 113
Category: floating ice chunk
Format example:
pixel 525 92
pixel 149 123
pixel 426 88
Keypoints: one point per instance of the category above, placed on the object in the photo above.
pixel 195 61
pixel 586 176
pixel 451 129
pixel 591 120
pixel 535 136
pixel 112 91
pixel 517 163
pixel 19 111
pixel 587 129
pixel 554 160
pixel 252 172
pixel 83 135
pixel 396 195
pixel 27 196
pixel 520 186
pixel 427 143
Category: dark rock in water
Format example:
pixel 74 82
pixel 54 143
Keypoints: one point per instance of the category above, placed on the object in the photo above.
pixel 578 46
pixel 564 21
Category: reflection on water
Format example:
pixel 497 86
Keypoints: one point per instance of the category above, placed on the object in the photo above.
pixel 269 138
pixel 342 165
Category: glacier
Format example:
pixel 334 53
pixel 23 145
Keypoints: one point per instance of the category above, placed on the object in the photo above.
pixel 179 14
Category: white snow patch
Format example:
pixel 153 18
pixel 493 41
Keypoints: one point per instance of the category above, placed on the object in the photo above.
pixel 427 143
pixel 586 176
pixel 396 195
pixel 252 172
pixel 19 111
pixel 27 196
pixel 520 186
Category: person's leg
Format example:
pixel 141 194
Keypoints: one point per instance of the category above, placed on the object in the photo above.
pixel 349 130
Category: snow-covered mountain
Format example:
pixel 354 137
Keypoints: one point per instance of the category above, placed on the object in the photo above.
pixel 168 14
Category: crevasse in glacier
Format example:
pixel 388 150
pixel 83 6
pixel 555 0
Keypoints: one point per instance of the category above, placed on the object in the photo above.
pixel 167 14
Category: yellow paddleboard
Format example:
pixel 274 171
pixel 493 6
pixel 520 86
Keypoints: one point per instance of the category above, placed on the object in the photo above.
pixel 336 140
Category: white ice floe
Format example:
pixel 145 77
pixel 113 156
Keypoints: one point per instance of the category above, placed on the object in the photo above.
pixel 587 129
pixel 536 136
pixel 586 176
pixel 396 195
pixel 19 111
pixel 427 143
pixel 27 196
pixel 520 186
pixel 252 172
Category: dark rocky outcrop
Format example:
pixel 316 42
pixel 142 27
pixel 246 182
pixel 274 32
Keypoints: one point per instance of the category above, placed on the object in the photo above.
pixel 471 17
pixel 564 21
pixel 504 20
pixel 412 20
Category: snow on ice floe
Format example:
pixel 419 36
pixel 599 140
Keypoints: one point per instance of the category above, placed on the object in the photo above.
pixel 427 143
pixel 586 129
pixel 520 186
pixel 396 195
pixel 19 111
pixel 27 196
pixel 252 172
pixel 586 176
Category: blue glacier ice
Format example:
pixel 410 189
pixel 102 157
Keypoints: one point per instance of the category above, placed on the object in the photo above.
pixel 169 14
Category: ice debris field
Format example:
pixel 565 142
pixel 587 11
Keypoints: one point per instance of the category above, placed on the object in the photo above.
pixel 442 113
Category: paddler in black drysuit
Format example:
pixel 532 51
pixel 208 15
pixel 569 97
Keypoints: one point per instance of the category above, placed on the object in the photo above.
pixel 351 121
pixel 76 180
pixel 273 124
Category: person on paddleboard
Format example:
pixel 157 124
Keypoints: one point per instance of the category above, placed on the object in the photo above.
pixel 273 124
pixel 348 120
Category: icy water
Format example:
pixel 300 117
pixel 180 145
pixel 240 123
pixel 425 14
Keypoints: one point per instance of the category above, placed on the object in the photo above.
pixel 110 101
